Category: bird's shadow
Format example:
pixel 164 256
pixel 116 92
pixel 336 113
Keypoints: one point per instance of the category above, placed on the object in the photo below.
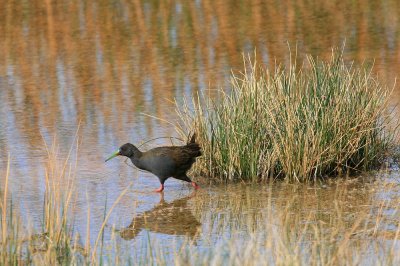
pixel 174 218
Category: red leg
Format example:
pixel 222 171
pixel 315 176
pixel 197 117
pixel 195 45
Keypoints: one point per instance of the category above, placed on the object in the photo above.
pixel 195 185
pixel 160 189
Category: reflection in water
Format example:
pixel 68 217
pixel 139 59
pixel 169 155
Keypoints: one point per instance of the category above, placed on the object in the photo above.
pixel 334 207
pixel 173 218
pixel 340 219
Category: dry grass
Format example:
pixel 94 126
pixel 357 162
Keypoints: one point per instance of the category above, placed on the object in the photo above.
pixel 55 242
pixel 297 123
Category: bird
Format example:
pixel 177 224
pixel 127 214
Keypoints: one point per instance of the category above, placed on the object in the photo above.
pixel 164 162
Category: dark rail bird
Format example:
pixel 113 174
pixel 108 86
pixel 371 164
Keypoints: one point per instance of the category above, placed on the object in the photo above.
pixel 164 162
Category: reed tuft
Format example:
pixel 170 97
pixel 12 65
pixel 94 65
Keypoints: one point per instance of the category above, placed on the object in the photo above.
pixel 325 118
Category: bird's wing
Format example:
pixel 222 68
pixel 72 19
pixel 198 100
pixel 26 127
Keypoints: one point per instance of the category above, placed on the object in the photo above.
pixel 169 161
pixel 159 161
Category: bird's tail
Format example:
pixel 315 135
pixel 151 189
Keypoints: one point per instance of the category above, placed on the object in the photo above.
pixel 192 139
pixel 193 146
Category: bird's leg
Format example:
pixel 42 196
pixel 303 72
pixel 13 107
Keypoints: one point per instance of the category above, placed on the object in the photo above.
pixel 160 189
pixel 194 184
pixel 187 179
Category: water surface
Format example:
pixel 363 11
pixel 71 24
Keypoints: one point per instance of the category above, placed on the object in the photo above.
pixel 101 65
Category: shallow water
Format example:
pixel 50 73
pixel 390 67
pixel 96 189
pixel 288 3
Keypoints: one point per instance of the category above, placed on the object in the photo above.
pixel 102 65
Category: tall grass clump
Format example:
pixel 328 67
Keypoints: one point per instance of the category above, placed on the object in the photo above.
pixel 10 249
pixel 53 243
pixel 297 123
pixel 59 245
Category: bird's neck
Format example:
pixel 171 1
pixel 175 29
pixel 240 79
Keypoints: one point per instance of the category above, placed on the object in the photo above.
pixel 136 159
pixel 135 152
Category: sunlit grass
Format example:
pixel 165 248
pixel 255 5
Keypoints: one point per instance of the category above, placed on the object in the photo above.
pixel 323 118
pixel 55 242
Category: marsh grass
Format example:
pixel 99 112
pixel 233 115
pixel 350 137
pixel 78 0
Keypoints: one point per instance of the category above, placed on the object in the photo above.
pixel 10 250
pixel 297 123
pixel 55 242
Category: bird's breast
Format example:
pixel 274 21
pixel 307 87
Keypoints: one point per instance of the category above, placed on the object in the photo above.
pixel 139 164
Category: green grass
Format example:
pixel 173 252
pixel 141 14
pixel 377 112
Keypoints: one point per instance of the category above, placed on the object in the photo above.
pixel 325 118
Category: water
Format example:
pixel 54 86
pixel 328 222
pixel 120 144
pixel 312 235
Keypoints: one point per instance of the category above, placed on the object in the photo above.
pixel 101 66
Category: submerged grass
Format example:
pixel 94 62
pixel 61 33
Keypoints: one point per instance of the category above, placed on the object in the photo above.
pixel 297 123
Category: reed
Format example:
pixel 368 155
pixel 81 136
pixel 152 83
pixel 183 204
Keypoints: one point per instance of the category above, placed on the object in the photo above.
pixel 10 249
pixel 54 242
pixel 299 123
pixel 58 243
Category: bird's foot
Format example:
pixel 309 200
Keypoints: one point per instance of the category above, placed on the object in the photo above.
pixel 160 189
pixel 195 185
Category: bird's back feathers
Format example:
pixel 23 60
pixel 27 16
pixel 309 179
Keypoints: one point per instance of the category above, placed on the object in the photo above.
pixel 171 160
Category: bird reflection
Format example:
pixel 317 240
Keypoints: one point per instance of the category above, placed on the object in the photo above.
pixel 173 218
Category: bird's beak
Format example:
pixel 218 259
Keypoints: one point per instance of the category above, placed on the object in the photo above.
pixel 115 154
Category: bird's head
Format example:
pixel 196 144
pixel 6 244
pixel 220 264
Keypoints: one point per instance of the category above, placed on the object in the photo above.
pixel 127 150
